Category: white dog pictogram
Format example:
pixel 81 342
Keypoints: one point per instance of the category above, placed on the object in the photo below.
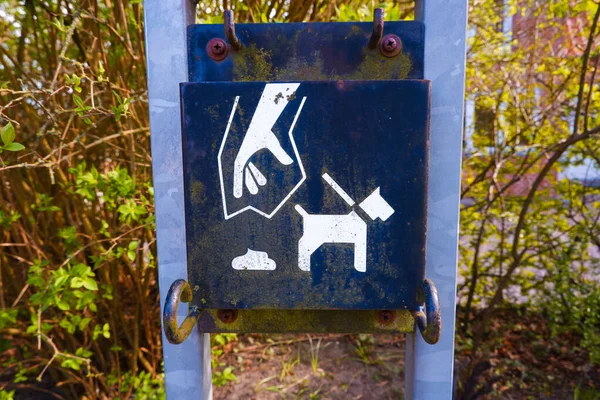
pixel 320 229
pixel 350 228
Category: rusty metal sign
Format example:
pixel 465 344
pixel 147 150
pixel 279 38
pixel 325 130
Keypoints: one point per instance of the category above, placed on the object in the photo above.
pixel 305 164
pixel 306 195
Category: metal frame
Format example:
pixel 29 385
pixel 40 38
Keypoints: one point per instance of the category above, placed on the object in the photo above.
pixel 187 365
pixel 429 369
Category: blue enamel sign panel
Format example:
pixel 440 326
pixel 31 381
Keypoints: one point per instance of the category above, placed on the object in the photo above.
pixel 306 195
pixel 313 51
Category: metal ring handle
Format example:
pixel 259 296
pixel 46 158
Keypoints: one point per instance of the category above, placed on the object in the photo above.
pixel 429 320
pixel 377 28
pixel 230 35
pixel 179 291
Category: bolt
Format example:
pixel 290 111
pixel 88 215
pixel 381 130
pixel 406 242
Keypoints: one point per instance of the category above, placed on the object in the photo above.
pixel 390 45
pixel 217 49
pixel 386 317
pixel 227 316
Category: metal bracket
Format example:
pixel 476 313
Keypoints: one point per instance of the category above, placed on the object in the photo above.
pixel 377 28
pixel 229 23
pixel 179 291
pixel 429 319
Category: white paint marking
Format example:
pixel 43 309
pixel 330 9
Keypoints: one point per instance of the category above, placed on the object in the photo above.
pixel 235 103
pixel 260 178
pixel 338 189
pixel 269 216
pixel 320 229
pixel 250 184
pixel 260 136
pixel 376 206
pixel 253 261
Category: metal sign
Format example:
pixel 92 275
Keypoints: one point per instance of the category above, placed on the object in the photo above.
pixel 306 195
pixel 305 161
pixel 295 53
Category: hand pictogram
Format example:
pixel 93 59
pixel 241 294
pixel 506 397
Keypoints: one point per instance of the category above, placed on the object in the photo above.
pixel 260 137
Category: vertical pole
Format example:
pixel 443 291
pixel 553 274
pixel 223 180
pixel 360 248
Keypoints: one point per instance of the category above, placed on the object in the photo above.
pixel 429 368
pixel 187 365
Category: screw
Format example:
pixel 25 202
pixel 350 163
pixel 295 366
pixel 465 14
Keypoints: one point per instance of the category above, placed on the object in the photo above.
pixel 390 45
pixel 386 317
pixel 217 49
pixel 227 316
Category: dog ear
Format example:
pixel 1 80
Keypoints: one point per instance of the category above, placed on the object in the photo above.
pixel 376 206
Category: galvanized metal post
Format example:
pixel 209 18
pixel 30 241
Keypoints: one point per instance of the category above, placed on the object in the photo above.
pixel 187 365
pixel 429 369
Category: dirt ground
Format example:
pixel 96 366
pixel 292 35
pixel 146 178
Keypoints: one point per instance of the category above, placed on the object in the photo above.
pixel 528 362
pixel 322 367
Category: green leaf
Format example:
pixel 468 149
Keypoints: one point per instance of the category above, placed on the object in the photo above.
pixel 61 280
pixel 90 284
pixel 14 146
pixel 77 100
pixel 7 317
pixel 64 323
pixel 106 331
pixel 59 24
pixel 84 323
pixel 117 111
pixel 71 363
pixel 81 352
pixel 63 305
pixel 8 135
pixel 97 332
pixel 117 96
pixel 76 282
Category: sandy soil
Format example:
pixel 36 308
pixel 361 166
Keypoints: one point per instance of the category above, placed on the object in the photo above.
pixel 346 367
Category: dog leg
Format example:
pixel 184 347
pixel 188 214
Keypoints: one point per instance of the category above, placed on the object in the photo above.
pixel 304 253
pixel 360 248
pixel 360 257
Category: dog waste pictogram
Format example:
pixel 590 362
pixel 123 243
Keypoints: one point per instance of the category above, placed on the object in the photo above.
pixel 306 195
pixel 319 229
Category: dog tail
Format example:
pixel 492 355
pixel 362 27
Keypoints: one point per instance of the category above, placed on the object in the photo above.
pixel 301 210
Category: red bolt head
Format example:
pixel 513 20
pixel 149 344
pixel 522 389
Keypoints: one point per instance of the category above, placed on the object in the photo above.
pixel 386 317
pixel 227 316
pixel 217 49
pixel 390 45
